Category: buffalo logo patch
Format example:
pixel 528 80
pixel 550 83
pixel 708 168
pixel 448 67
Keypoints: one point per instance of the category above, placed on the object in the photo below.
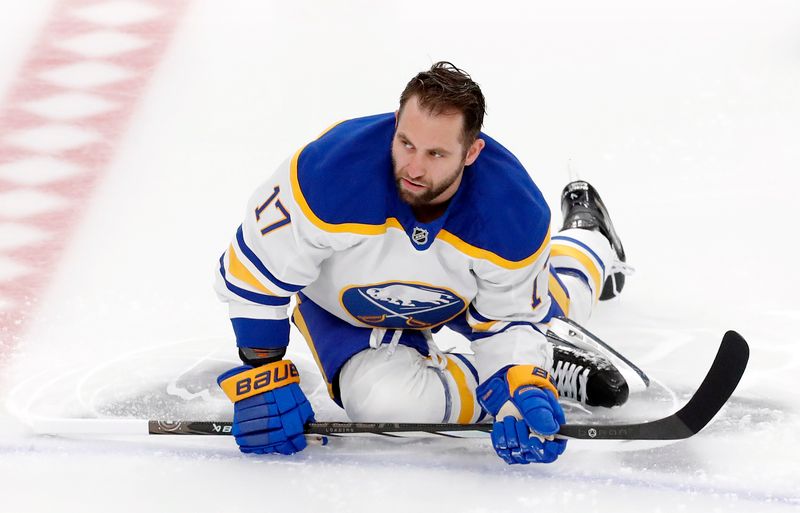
pixel 401 305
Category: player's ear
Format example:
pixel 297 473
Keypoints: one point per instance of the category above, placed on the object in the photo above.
pixel 396 118
pixel 473 151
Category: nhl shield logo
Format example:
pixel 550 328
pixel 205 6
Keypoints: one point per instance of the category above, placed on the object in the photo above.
pixel 401 305
pixel 420 236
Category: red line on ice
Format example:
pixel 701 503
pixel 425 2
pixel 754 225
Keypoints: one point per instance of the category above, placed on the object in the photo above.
pixel 60 125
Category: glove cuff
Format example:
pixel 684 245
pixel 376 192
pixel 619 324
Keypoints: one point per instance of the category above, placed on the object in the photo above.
pixel 519 376
pixel 249 381
pixel 500 388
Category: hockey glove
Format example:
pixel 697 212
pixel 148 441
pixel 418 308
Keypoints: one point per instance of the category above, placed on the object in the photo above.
pixel 269 410
pixel 523 400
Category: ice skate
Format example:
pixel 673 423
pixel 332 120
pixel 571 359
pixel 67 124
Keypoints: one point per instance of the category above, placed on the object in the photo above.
pixel 587 378
pixel 582 207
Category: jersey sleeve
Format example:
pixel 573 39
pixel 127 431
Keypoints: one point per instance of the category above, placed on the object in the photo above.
pixel 275 253
pixel 512 301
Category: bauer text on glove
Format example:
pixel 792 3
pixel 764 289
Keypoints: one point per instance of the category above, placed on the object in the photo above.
pixel 270 410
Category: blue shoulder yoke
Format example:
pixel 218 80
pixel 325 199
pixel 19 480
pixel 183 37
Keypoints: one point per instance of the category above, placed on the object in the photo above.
pixel 501 209
pixel 346 176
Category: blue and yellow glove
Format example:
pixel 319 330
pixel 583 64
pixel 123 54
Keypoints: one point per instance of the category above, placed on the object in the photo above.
pixel 524 402
pixel 269 409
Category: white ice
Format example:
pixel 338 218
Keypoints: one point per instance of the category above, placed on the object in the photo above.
pixel 684 114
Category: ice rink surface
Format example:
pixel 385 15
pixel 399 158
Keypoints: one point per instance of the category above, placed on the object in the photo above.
pixel 684 114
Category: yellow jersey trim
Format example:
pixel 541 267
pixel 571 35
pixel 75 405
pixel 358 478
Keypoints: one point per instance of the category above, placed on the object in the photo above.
pixel 300 322
pixel 242 273
pixel 484 254
pixel 330 128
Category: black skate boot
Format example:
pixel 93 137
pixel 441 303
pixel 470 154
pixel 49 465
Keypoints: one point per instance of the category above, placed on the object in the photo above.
pixel 587 378
pixel 582 207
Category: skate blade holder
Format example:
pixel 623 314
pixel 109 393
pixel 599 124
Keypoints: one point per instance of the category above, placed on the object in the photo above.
pixel 575 334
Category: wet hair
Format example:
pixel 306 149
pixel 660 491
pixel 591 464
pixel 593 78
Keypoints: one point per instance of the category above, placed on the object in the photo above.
pixel 445 88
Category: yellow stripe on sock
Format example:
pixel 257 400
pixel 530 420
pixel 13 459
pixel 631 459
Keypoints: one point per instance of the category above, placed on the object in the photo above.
pixel 464 392
pixel 484 326
pixel 559 294
pixel 560 250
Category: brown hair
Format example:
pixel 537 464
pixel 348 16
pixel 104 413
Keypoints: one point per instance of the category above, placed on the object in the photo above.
pixel 446 88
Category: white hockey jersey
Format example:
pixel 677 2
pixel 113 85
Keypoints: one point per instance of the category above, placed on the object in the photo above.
pixel 330 223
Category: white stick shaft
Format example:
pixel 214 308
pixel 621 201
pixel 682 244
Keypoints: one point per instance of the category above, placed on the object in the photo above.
pixel 51 426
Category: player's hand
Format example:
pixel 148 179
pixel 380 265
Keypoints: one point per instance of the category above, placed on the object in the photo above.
pixel 270 410
pixel 527 414
pixel 530 439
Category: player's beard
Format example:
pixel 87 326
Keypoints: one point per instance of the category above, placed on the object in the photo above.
pixel 431 192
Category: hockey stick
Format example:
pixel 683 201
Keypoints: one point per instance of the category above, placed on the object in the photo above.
pixel 718 385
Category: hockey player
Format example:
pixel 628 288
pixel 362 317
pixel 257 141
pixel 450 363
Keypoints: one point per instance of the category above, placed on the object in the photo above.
pixel 387 228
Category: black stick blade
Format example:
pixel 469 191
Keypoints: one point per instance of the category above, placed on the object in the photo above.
pixel 719 384
pixel 715 390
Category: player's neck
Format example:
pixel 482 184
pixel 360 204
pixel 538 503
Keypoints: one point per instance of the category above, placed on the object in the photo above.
pixel 429 213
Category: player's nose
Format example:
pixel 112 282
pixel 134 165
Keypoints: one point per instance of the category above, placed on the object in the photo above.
pixel 415 168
